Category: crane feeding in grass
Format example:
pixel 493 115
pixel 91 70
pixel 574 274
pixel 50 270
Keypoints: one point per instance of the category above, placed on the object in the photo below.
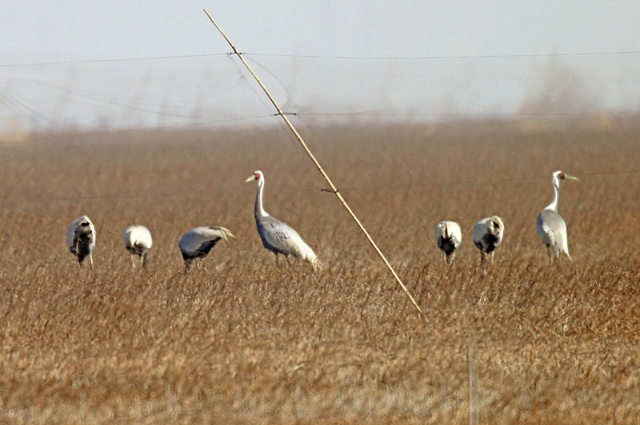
pixel 276 236
pixel 448 238
pixel 137 240
pixel 81 239
pixel 199 241
pixel 487 236
pixel 550 224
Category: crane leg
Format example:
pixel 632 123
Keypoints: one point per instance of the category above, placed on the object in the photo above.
pixel 91 261
pixel 133 262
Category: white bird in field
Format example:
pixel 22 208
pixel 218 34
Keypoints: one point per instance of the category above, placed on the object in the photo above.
pixel 197 242
pixel 487 235
pixel 137 240
pixel 81 239
pixel 276 236
pixel 551 226
pixel 448 238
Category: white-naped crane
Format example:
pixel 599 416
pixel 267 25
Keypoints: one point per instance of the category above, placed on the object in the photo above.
pixel 137 240
pixel 448 238
pixel 550 224
pixel 81 239
pixel 487 236
pixel 199 241
pixel 276 236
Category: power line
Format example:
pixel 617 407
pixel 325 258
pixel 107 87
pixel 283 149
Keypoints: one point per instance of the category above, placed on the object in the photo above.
pixel 88 61
pixel 437 57
pixel 497 56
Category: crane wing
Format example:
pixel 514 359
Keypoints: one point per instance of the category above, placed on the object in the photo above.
pixel 278 234
pixel 201 240
pixel 552 229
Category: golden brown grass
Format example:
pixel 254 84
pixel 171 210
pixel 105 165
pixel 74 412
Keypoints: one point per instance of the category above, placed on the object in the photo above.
pixel 244 342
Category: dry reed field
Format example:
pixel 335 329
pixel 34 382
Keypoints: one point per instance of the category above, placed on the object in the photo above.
pixel 241 341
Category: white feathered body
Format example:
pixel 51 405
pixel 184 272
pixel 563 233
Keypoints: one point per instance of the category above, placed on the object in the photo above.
pixel 137 240
pixel 487 234
pixel 448 236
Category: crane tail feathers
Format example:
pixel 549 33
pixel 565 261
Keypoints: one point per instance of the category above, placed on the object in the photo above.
pixel 316 264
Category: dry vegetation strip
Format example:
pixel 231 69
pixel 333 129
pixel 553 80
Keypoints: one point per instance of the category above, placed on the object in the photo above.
pixel 243 342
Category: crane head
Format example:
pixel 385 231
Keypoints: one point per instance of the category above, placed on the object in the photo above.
pixel 257 175
pixel 560 175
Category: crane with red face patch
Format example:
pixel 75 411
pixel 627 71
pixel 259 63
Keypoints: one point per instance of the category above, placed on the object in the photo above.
pixel 276 236
pixel 551 227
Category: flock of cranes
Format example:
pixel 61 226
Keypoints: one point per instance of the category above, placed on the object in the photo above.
pixel 488 232
pixel 280 238
pixel 276 236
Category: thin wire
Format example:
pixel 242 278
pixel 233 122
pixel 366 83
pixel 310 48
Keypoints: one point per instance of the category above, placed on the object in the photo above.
pixel 278 55
pixel 319 167
pixel 515 55
pixel 143 58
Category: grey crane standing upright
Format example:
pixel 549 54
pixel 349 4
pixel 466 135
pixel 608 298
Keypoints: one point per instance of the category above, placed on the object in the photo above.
pixel 550 224
pixel 276 236
pixel 81 239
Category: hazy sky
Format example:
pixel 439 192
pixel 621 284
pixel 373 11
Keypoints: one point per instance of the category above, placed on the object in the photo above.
pixel 39 31
pixel 70 30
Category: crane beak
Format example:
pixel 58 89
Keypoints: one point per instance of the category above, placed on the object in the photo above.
pixel 250 178
pixel 567 176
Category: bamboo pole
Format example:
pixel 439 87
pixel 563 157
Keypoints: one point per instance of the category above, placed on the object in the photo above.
pixel 334 189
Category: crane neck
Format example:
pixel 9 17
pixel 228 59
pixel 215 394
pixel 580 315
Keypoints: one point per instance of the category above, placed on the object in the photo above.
pixel 556 195
pixel 259 210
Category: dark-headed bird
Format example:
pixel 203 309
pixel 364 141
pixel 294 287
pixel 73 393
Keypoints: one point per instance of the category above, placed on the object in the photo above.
pixel 487 235
pixel 551 226
pixel 137 240
pixel 81 239
pixel 276 236
pixel 448 238
pixel 197 242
